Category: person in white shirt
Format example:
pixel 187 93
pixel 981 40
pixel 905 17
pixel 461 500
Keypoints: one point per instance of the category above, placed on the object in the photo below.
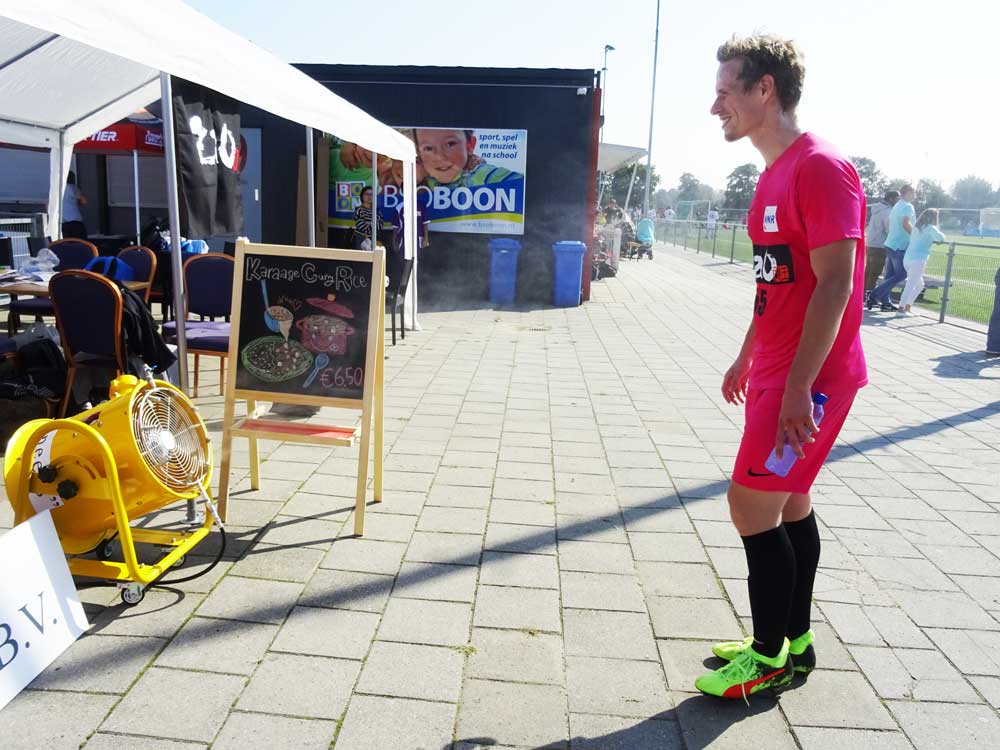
pixel 713 220
pixel 875 234
pixel 72 218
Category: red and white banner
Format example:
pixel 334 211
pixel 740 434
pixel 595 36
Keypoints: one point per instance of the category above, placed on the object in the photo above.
pixel 123 137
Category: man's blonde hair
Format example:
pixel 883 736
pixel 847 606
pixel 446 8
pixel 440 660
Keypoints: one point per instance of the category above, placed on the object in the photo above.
pixel 766 54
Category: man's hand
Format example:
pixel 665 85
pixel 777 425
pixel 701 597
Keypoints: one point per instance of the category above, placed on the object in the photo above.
pixel 795 422
pixel 734 382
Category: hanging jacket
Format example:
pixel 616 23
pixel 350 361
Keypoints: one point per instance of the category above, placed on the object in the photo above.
pixel 142 334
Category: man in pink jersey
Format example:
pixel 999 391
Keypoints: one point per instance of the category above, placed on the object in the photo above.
pixel 806 223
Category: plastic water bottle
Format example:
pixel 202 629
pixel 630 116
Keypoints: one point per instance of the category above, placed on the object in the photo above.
pixel 781 466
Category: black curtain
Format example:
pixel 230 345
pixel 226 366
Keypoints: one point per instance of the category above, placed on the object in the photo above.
pixel 207 134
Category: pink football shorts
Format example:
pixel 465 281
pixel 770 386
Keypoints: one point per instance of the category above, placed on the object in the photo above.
pixel 762 410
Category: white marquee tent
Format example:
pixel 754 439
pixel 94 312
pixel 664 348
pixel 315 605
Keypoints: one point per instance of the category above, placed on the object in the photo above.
pixel 71 67
pixel 611 157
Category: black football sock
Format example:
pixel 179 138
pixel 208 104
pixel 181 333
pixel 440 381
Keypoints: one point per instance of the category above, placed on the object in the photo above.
pixel 804 536
pixel 771 564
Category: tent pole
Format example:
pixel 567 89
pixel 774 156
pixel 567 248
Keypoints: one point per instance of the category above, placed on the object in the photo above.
pixel 375 218
pixel 414 231
pixel 56 231
pixel 311 192
pixel 135 188
pixel 173 205
pixel 628 195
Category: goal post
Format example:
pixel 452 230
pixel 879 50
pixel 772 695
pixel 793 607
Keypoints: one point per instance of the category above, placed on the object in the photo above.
pixel 692 210
pixel 989 222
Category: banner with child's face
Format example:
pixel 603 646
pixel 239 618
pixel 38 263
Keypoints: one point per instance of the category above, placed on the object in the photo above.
pixel 468 180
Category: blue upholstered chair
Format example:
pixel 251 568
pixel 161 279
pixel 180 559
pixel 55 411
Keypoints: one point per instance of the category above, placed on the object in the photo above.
pixel 72 254
pixel 143 263
pixel 208 293
pixel 88 310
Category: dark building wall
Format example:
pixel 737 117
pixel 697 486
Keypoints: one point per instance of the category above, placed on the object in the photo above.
pixel 546 103
pixel 281 143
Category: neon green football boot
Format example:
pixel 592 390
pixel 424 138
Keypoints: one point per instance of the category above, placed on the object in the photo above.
pixel 801 649
pixel 748 673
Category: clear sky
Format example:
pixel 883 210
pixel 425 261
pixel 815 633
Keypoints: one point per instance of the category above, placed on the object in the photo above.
pixel 913 85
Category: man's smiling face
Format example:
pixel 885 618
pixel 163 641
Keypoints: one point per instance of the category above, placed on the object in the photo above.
pixel 741 111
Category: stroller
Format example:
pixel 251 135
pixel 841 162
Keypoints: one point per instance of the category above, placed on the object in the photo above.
pixel 636 243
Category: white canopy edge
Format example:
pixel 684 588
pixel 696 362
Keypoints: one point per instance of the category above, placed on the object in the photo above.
pixel 169 36
pixel 61 141
pixel 611 157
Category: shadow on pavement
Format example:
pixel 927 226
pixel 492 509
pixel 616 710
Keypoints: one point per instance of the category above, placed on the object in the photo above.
pixel 254 612
pixel 969 366
pixel 696 723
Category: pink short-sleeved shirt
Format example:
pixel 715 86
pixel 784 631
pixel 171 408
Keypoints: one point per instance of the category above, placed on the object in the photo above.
pixel 810 197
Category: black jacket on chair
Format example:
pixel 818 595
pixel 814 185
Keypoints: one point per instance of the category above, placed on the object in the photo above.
pixel 142 334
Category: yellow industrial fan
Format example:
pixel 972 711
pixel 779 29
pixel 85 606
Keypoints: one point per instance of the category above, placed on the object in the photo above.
pixel 144 448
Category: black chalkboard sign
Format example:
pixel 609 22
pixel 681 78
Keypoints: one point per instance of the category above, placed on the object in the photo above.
pixel 302 322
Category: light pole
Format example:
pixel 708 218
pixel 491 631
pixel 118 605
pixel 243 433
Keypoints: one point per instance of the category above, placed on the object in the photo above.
pixel 652 108
pixel 604 84
pixel 604 93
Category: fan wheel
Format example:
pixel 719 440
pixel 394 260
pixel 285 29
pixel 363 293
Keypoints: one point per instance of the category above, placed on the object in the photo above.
pixel 170 438
pixel 105 550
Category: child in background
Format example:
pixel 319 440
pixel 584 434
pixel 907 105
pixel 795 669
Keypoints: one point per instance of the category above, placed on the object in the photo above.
pixel 449 160
pixel 924 234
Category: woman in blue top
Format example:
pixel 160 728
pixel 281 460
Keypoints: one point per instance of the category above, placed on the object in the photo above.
pixel 924 234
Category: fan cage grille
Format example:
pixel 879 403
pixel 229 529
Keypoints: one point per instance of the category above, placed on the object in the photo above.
pixel 168 435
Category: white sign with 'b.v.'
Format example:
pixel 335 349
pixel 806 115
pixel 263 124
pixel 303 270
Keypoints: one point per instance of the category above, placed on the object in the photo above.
pixel 40 612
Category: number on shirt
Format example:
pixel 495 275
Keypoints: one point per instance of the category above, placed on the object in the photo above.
pixel 760 303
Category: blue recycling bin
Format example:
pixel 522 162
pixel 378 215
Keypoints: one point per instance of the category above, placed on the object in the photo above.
pixel 503 270
pixel 568 273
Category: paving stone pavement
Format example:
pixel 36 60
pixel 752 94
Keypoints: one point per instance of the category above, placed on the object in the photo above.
pixel 553 555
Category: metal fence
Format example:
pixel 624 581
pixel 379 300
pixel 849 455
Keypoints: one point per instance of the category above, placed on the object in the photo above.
pixel 961 277
pixel 19 227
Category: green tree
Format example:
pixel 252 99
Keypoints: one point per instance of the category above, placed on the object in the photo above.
pixel 620 181
pixel 740 185
pixel 664 199
pixel 690 188
pixel 872 179
pixel 973 192
pixel 930 194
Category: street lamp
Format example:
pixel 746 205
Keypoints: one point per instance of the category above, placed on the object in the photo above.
pixel 604 95
pixel 604 84
pixel 652 107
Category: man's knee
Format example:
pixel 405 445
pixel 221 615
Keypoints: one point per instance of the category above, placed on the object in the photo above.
pixel 754 511
pixel 798 507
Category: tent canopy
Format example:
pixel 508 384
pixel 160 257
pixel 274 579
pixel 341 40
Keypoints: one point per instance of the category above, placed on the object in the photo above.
pixel 68 69
pixel 611 157
pixel 104 50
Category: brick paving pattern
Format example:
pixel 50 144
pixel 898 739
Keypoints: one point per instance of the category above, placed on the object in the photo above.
pixel 553 555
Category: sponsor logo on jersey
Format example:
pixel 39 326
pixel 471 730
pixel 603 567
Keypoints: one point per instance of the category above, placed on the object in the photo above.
pixel 772 264
pixel 770 218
